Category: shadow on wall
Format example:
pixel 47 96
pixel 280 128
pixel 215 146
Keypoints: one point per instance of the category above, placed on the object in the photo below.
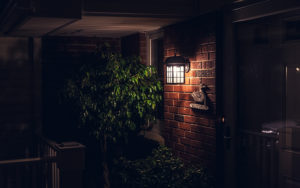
pixel 62 58
pixel 186 41
pixel 16 86
pixel 16 97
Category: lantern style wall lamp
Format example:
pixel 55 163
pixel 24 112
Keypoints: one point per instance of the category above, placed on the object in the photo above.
pixel 177 66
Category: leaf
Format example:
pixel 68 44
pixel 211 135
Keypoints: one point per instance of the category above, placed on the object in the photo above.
pixel 153 106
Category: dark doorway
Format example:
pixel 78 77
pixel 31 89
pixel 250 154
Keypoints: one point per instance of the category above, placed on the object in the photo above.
pixel 268 113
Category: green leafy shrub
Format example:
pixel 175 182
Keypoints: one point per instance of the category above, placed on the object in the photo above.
pixel 115 97
pixel 160 170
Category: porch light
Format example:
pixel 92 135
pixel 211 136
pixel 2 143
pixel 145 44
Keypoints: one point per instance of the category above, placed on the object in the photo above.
pixel 176 67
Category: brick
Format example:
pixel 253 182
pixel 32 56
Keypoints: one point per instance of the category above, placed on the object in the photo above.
pixel 173 95
pixel 195 81
pixel 196 65
pixel 191 73
pixel 204 49
pixel 202 57
pixel 166 95
pixel 197 120
pixel 173 109
pixel 191 119
pixel 166 108
pixel 212 56
pixel 186 141
pixel 194 136
pixel 202 129
pixel 184 126
pixel 191 88
pixel 205 73
pixel 185 111
pixel 178 88
pixel 194 151
pixel 179 117
pixel 201 137
pixel 208 64
pixel 182 103
pixel 197 144
pixel 168 115
pixel 199 152
pixel 185 88
pixel 168 88
pixel 173 124
pixel 211 47
pixel 209 81
pixel 168 102
pixel 178 132
pixel 192 58
pixel 188 158
pixel 185 96
pixel 187 80
pixel 170 52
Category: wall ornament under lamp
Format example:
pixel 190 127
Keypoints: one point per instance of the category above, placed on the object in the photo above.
pixel 177 66
pixel 200 97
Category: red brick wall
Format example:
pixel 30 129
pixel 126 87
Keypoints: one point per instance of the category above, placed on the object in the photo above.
pixel 191 133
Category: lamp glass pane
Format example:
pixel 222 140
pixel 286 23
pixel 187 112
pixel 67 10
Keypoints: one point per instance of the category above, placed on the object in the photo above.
pixel 175 74
pixel 169 74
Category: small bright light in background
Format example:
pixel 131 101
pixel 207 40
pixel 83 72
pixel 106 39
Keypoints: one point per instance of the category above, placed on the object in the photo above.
pixel 297 69
pixel 268 131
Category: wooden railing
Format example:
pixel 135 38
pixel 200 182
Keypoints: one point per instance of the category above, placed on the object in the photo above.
pixel 48 148
pixel 258 157
pixel 51 166
pixel 34 172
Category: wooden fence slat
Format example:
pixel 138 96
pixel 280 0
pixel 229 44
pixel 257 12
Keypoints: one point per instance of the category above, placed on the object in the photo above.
pixel 261 158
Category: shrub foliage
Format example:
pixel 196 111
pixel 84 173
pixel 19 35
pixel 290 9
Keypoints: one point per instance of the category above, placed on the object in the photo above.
pixel 115 97
pixel 160 170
